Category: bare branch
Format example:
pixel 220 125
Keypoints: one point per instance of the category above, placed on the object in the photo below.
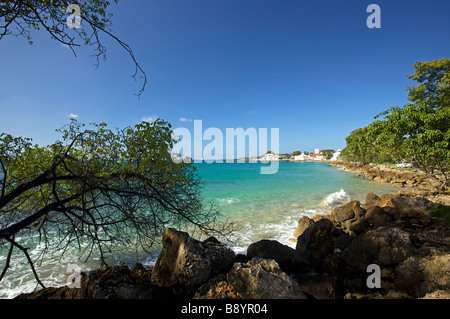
pixel 30 261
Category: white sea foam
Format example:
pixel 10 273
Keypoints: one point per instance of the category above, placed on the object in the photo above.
pixel 230 200
pixel 336 199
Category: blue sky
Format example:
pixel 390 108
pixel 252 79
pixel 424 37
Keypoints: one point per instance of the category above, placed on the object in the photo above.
pixel 313 69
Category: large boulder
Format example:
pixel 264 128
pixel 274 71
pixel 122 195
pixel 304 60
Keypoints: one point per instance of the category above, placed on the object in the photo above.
pixel 384 246
pixel 421 275
pixel 319 286
pixel 405 206
pixel 350 217
pixel 376 216
pixel 263 279
pixel 346 212
pixel 119 282
pixel 436 272
pixel 288 259
pixel 317 242
pixel 373 200
pixel 186 263
pixel 409 275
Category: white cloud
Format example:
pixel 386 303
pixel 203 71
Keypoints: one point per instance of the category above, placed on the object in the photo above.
pixel 72 116
pixel 183 119
pixel 149 119
pixel 252 112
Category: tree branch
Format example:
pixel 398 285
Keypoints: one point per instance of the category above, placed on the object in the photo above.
pixel 30 261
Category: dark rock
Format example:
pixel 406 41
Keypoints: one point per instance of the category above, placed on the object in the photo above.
pixel 212 240
pixel 409 275
pixel 319 286
pixel 350 218
pixel 342 242
pixel 317 242
pixel 406 207
pixel 373 200
pixel 289 259
pixel 345 212
pixel 118 282
pixel 377 216
pixel 436 271
pixel 241 258
pixel 185 263
pixel 263 279
pixel 383 246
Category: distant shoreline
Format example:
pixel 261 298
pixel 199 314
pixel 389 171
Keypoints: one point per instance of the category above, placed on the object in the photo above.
pixel 413 178
pixel 247 160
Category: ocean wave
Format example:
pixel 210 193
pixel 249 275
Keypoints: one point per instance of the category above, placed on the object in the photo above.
pixel 336 199
pixel 230 200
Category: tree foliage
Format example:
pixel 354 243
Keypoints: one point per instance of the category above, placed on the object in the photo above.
pixel 418 132
pixel 327 154
pixel 22 17
pixel 100 188
pixel 434 83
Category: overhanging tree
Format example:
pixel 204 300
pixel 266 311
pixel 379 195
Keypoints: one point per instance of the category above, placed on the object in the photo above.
pixel 100 188
pixel 22 17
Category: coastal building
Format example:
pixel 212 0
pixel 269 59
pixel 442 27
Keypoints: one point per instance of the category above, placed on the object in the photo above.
pixel 270 157
pixel 336 155
pixel 316 156
pixel 301 157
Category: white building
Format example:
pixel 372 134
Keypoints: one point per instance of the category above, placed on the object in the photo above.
pixel 316 156
pixel 301 157
pixel 336 155
pixel 270 157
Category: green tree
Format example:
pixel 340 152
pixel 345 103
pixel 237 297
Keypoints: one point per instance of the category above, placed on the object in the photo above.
pixel 295 153
pixel 358 147
pixel 22 17
pixel 418 132
pixel 363 145
pixel 98 188
pixel 327 154
pixel 434 83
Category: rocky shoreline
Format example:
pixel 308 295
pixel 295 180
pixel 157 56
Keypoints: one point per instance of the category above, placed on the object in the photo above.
pixel 334 257
pixel 331 259
pixel 384 174
pixel 415 180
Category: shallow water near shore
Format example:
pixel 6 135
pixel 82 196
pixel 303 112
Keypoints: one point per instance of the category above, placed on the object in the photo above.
pixel 269 206
pixel 266 206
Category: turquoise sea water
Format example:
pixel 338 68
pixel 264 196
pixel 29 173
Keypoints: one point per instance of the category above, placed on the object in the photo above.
pixel 266 206
pixel 269 206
